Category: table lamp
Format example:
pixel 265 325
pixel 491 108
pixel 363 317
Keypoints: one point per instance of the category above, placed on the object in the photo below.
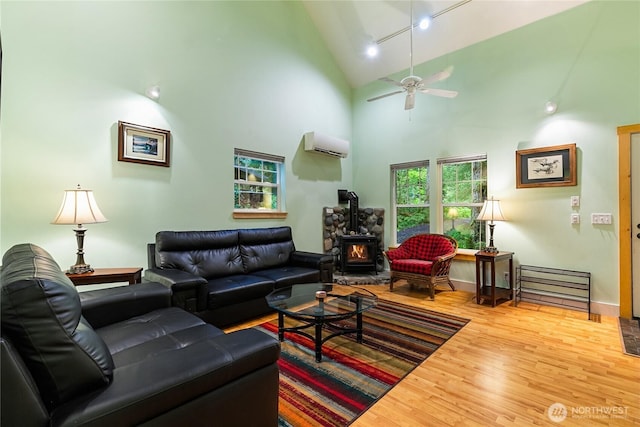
pixel 491 212
pixel 79 207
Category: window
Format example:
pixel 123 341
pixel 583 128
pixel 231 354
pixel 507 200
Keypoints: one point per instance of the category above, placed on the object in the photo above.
pixel 410 205
pixel 258 183
pixel 464 189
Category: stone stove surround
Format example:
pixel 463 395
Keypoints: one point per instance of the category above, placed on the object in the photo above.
pixel 336 223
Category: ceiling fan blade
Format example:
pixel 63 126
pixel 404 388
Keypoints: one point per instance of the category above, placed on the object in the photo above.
pixel 410 101
pixel 393 82
pixel 440 92
pixel 439 76
pixel 384 96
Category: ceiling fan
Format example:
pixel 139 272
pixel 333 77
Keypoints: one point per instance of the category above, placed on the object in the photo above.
pixel 412 84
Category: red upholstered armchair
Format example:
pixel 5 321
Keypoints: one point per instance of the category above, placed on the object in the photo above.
pixel 423 260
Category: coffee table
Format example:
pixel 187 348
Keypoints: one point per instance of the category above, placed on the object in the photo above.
pixel 301 303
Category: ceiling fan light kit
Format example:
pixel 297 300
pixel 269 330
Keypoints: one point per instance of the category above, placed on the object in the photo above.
pixel 412 84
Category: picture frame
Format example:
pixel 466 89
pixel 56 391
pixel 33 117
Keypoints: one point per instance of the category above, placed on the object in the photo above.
pixel 546 167
pixel 143 144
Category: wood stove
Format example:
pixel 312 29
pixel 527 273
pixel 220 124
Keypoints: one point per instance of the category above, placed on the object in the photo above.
pixel 358 253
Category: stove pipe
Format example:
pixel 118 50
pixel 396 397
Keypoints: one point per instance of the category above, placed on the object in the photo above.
pixel 351 197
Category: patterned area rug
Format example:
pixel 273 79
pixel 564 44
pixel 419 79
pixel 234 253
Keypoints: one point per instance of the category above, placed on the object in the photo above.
pixel 352 376
pixel 630 334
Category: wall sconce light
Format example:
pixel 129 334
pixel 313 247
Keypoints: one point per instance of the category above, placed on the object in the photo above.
pixel 550 107
pixel 153 92
pixel 79 207
pixel 491 212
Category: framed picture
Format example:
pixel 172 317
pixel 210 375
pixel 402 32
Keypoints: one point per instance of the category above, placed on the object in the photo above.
pixel 143 144
pixel 546 167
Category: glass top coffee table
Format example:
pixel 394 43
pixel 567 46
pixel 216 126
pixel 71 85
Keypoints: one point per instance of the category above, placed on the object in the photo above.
pixel 319 304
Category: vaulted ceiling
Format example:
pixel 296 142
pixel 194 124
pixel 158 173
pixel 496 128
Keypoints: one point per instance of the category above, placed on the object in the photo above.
pixel 349 25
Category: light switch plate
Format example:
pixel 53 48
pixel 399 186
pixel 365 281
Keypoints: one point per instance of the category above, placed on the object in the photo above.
pixel 575 201
pixel 575 218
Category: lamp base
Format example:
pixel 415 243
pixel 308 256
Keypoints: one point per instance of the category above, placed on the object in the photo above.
pixel 491 249
pixel 80 269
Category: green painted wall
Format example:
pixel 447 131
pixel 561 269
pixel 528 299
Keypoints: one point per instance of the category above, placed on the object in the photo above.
pixel 586 59
pixel 253 75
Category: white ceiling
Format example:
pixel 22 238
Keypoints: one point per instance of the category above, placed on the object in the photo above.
pixel 349 25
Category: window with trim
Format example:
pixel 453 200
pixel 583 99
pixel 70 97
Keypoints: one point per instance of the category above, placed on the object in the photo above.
pixel 410 204
pixel 463 183
pixel 258 183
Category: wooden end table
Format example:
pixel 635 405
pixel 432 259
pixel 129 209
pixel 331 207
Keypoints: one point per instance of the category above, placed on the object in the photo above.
pixel 482 289
pixel 107 275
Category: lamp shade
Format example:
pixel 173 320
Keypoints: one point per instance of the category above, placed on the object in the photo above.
pixel 79 207
pixel 491 211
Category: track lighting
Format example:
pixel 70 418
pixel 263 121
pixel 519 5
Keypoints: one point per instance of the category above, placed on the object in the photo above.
pixel 424 23
pixel 372 50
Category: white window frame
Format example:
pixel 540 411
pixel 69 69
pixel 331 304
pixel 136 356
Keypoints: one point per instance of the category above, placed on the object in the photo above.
pixel 441 205
pixel 279 185
pixel 394 206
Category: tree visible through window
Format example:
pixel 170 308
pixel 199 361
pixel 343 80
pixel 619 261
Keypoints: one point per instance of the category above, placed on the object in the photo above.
pixel 410 199
pixel 258 181
pixel 464 188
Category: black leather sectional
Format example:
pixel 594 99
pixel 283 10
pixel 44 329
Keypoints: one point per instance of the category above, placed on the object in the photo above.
pixel 122 356
pixel 223 276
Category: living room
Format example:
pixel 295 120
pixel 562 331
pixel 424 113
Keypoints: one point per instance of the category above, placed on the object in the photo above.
pixel 257 76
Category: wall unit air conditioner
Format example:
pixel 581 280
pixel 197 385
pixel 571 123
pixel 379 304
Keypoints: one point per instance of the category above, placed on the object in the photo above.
pixel 324 144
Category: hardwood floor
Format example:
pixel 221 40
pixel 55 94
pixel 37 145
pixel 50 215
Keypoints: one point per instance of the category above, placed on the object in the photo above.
pixel 508 365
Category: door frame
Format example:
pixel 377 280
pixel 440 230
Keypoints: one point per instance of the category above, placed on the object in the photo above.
pixel 624 209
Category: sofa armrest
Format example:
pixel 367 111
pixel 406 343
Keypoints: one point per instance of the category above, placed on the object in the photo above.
pixel 189 291
pixel 322 262
pixel 106 306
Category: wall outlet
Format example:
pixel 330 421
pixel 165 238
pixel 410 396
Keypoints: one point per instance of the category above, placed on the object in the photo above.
pixel 575 218
pixel 601 218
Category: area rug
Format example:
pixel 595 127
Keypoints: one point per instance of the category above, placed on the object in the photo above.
pixel 352 375
pixel 630 334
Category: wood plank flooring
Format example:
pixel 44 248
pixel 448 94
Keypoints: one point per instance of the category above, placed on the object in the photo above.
pixel 508 365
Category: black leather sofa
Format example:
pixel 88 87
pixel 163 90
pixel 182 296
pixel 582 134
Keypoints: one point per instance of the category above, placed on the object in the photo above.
pixel 223 276
pixel 122 356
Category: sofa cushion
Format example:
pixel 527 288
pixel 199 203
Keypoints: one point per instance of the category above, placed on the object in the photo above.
pixel 263 248
pixel 237 288
pixel 208 254
pixel 147 335
pixel 288 275
pixel 41 314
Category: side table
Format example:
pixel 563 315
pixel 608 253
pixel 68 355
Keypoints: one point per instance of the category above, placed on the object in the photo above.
pixel 493 292
pixel 107 275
